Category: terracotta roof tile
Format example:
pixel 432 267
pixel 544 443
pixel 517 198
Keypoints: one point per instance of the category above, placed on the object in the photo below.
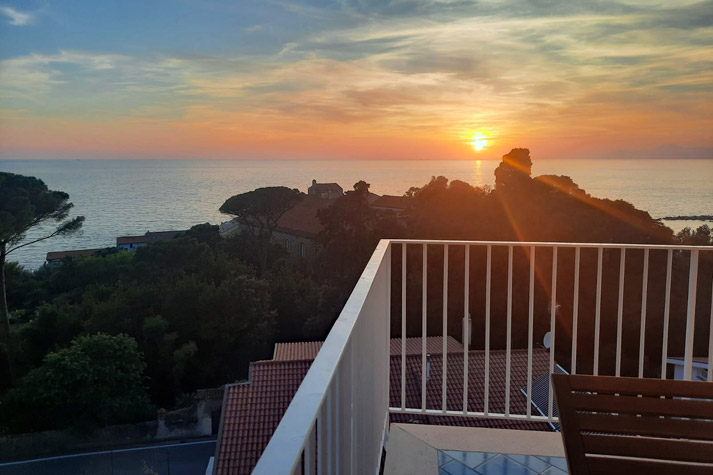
pixel 300 350
pixel 251 412
pixel 302 218
pixel 434 345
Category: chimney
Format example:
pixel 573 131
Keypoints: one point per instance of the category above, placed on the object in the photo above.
pixel 314 182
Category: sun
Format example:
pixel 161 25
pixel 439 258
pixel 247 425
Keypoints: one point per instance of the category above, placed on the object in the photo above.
pixel 479 141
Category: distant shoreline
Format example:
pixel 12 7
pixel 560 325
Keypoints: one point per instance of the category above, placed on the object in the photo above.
pixel 702 217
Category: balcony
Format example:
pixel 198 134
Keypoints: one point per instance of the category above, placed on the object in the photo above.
pixel 521 311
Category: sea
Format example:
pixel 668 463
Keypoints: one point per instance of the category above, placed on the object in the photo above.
pixel 130 197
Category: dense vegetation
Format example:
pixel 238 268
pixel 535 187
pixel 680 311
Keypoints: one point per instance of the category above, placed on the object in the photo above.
pixel 192 312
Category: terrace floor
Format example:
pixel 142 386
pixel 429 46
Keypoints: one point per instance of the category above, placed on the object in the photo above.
pixel 427 449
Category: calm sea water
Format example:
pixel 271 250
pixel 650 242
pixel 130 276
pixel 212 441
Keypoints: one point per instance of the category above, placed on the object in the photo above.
pixel 120 197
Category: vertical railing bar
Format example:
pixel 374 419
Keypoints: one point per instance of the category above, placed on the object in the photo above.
pixel 423 327
pixel 486 396
pixel 553 326
pixel 598 311
pixel 508 336
pixel 575 311
pixel 644 293
pixel 352 410
pixel 710 342
pixel 403 326
pixel 666 314
pixel 466 327
pixel 309 452
pixel 530 330
pixel 337 420
pixel 321 439
pixel 330 422
pixel 620 309
pixel 444 337
pixel 691 316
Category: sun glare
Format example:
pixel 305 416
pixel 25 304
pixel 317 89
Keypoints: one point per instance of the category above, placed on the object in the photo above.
pixel 479 141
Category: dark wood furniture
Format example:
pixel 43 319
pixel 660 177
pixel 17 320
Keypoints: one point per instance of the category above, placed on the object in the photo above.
pixel 631 425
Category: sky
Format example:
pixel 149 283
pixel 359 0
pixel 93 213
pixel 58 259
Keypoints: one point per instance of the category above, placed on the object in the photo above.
pixel 391 79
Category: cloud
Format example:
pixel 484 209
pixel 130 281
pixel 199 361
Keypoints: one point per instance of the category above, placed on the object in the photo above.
pixel 17 18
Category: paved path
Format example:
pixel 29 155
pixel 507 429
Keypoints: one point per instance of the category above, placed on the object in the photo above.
pixel 190 458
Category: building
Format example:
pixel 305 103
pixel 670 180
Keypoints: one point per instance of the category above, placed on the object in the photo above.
pixel 297 229
pixel 55 257
pixel 252 410
pixel 325 191
pixel 131 243
pixel 699 370
pixel 394 204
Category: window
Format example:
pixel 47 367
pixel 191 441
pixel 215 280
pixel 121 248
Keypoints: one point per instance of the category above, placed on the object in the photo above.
pixel 287 244
pixel 303 249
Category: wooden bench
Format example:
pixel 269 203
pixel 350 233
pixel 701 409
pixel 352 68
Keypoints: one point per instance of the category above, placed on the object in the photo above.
pixel 632 425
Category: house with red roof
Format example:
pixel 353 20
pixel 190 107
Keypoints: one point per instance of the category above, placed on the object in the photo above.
pixel 253 410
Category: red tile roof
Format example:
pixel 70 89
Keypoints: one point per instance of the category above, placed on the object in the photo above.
pixel 303 350
pixel 391 202
pixel 300 350
pixel 434 345
pixel 302 218
pixel 251 412
pixel 476 387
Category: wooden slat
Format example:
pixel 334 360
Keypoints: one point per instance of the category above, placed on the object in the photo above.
pixel 648 447
pixel 612 465
pixel 573 445
pixel 642 386
pixel 643 405
pixel 651 426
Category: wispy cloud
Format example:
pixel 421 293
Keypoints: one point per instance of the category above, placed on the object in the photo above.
pixel 386 75
pixel 15 17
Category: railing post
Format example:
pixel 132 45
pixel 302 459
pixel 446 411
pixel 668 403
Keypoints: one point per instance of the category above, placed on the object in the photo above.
pixel 424 327
pixel 444 334
pixel 530 330
pixel 486 396
pixel 575 311
pixel 644 293
pixel 553 327
pixel 691 316
pixel 466 327
pixel 620 309
pixel 666 314
pixel 508 337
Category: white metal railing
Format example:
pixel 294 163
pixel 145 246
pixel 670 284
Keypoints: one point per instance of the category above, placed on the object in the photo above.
pixel 337 420
pixel 336 423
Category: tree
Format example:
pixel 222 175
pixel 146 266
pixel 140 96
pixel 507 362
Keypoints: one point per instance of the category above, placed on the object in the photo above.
pixel 515 169
pixel 260 210
pixel 25 203
pixel 97 380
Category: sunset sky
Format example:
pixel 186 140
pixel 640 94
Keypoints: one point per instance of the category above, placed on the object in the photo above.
pixel 355 78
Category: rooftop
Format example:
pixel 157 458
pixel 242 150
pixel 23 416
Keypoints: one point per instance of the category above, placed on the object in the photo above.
pixel 56 255
pixel 252 410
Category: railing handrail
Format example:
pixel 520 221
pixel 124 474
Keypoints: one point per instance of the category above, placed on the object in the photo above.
pixel 678 247
pixel 284 450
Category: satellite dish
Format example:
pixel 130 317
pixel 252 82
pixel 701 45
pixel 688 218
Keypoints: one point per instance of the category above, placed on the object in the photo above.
pixel 547 340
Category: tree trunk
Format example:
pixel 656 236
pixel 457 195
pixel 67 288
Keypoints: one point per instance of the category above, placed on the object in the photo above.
pixel 5 314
